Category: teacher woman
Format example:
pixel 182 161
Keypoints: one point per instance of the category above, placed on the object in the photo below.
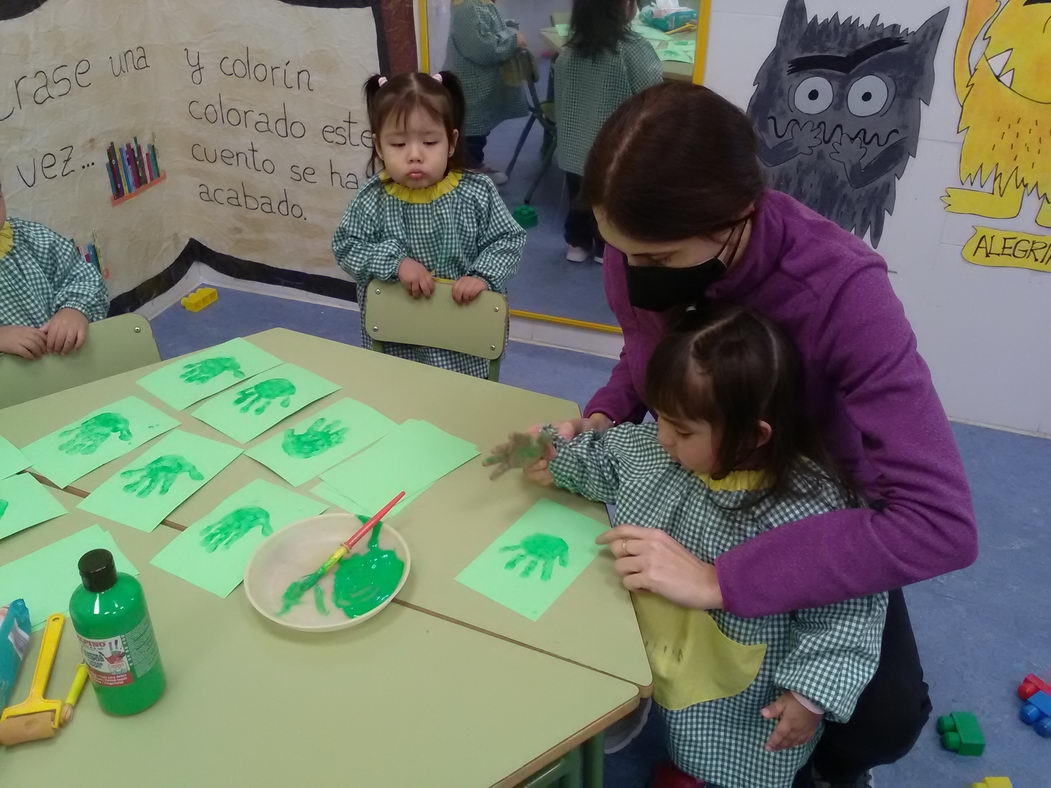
pixel 678 194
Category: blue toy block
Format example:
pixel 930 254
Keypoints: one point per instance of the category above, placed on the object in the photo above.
pixel 1036 711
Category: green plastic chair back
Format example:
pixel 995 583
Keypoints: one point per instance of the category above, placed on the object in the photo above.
pixel 114 345
pixel 478 329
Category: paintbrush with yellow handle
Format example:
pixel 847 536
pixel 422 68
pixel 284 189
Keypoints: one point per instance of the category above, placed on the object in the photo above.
pixel 36 717
pixel 79 680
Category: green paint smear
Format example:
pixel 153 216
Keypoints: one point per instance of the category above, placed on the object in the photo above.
pixel 261 395
pixel 159 475
pixel 233 526
pixel 316 439
pixel 88 436
pixel 319 600
pixel 3 507
pixel 364 581
pixel 206 369
pixel 538 549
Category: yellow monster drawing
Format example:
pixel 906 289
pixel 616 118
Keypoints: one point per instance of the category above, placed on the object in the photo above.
pixel 1005 92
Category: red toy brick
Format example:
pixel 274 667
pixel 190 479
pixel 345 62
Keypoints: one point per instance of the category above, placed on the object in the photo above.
pixel 1032 683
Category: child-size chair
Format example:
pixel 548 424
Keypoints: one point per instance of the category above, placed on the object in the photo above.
pixel 478 328
pixel 114 345
pixel 542 112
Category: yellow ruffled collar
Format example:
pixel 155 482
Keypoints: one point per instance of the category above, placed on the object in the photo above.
pixel 737 481
pixel 420 196
pixel 7 239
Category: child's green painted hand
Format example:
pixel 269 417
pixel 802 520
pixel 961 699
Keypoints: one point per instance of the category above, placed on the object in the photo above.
pixel 234 525
pixel 91 433
pixel 528 451
pixel 796 723
pixel 264 393
pixel 162 472
pixel 206 369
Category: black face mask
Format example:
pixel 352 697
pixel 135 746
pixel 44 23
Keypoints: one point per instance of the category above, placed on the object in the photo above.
pixel 657 288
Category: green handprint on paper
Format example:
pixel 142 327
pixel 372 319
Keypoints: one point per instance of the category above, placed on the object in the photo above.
pixel 539 549
pixel 316 439
pixel 162 472
pixel 3 507
pixel 265 392
pixel 203 371
pixel 520 451
pixel 91 433
pixel 234 525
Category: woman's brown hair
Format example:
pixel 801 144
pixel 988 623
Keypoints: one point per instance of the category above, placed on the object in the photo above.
pixel 399 96
pixel 731 368
pixel 675 161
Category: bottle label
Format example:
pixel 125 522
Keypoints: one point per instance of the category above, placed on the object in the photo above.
pixel 122 659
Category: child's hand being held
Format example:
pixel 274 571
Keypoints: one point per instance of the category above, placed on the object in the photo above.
pixel 66 331
pixel 25 341
pixel 415 278
pixel 468 288
pixel 796 723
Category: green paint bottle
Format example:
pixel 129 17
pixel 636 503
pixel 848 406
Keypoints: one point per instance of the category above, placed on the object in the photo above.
pixel 111 620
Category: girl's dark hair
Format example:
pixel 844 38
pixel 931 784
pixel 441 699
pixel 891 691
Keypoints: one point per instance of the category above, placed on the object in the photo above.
pixel 597 26
pixel 675 161
pixel 731 368
pixel 398 96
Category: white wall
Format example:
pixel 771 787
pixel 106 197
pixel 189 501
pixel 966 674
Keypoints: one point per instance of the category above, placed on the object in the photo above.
pixel 984 331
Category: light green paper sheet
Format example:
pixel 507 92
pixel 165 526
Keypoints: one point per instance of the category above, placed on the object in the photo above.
pixel 350 506
pixel 95 439
pixel 562 30
pixel 650 33
pixel 411 458
pixel 12 460
pixel 312 446
pixel 257 404
pixel 191 379
pixel 677 51
pixel 25 502
pixel 46 578
pixel 146 490
pixel 214 551
pixel 534 561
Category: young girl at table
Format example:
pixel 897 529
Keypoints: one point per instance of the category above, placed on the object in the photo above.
pixel 604 64
pixel 423 215
pixel 480 43
pixel 731 455
pixel 48 292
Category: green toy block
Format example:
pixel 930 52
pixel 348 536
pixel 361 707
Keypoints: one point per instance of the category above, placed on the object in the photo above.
pixel 961 733
pixel 526 216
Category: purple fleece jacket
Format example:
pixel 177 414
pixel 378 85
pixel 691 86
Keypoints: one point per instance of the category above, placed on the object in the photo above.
pixel 869 389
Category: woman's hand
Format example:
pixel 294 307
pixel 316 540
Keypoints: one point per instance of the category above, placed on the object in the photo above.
pixel 66 331
pixel 468 288
pixel 650 560
pixel 573 427
pixel 796 723
pixel 415 278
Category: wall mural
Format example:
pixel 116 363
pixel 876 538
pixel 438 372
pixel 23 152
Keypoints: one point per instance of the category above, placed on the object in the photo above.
pixel 837 111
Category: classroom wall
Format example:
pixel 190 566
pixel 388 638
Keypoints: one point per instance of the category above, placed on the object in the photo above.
pixel 983 330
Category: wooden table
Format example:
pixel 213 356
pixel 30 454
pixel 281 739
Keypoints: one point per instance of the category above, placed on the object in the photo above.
pixel 671 69
pixel 446 528
pixel 404 699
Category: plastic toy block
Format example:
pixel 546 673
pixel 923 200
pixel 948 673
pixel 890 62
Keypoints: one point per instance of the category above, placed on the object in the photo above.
pixel 1032 683
pixel 1036 711
pixel 526 216
pixel 993 782
pixel 961 733
pixel 199 299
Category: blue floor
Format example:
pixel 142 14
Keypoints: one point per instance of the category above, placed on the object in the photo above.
pixel 979 630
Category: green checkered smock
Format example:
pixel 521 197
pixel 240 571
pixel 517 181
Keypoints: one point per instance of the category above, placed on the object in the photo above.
pixel 465 230
pixel 827 654
pixel 42 274
pixel 589 90
pixel 479 43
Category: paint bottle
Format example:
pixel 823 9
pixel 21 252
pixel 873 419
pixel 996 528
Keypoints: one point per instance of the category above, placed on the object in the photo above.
pixel 111 620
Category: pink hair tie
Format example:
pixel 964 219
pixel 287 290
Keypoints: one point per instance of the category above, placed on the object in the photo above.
pixel 381 82
pixel 437 77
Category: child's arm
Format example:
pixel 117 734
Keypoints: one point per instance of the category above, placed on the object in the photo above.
pixel 360 245
pixel 588 465
pixel 835 652
pixel 500 241
pixel 80 296
pixel 643 66
pixel 477 38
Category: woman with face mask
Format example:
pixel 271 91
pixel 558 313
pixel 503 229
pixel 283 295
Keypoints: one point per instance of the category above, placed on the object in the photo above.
pixel 678 194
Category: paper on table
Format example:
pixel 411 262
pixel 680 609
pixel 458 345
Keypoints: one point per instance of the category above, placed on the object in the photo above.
pixel 214 551
pixel 102 435
pixel 25 502
pixel 651 33
pixel 677 51
pixel 12 461
pixel 314 445
pixel 350 506
pixel 562 30
pixel 257 404
pixel 411 458
pixel 191 379
pixel 147 490
pixel 46 578
pixel 534 561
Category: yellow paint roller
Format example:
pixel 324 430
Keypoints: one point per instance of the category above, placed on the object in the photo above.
pixel 36 717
